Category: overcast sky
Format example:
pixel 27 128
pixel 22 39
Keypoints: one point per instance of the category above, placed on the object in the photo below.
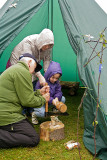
pixel 102 3
pixel 2 2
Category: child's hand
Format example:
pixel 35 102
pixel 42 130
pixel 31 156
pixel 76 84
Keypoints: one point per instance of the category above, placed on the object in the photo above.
pixel 55 101
pixel 44 90
pixel 47 96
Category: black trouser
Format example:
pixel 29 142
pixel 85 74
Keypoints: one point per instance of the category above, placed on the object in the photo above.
pixel 18 134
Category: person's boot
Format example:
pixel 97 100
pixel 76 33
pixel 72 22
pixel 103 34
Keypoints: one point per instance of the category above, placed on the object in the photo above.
pixel 34 119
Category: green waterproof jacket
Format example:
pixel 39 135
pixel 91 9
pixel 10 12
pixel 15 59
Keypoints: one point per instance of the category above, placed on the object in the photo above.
pixel 16 92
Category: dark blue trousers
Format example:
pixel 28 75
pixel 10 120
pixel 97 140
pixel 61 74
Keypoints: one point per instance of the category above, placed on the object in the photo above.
pixel 20 134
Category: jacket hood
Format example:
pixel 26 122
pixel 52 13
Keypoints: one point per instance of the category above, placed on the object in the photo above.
pixel 53 68
pixel 44 38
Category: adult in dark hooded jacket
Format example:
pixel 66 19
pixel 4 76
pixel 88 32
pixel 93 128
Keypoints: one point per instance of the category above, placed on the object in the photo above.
pixel 52 76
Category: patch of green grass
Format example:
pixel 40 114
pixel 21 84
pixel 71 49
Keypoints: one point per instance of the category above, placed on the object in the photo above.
pixel 56 150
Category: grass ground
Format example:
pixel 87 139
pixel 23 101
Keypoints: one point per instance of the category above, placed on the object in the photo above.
pixel 56 150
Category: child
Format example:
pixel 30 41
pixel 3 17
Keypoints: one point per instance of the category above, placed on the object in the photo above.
pixel 52 76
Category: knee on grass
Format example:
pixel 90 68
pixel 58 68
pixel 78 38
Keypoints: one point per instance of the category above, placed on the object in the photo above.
pixel 35 140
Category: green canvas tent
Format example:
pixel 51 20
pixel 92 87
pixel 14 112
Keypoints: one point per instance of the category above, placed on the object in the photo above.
pixel 70 21
pixel 36 16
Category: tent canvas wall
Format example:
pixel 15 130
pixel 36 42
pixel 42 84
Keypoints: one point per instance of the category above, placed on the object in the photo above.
pixel 62 50
pixel 79 19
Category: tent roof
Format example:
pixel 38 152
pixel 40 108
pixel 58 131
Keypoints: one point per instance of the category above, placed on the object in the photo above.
pixel 13 19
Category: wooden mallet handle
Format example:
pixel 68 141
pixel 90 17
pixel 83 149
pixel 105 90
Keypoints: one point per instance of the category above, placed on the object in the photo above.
pixel 46 105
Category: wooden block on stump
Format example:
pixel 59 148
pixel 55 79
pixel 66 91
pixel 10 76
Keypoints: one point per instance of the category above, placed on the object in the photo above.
pixel 49 131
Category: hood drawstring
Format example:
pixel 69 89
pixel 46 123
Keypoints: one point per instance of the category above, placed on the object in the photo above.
pixel 39 57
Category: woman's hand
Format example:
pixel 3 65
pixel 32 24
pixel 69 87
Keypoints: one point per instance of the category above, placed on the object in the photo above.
pixel 41 79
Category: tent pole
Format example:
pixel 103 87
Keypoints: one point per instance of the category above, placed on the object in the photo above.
pixel 48 15
pixel 52 15
pixel 52 21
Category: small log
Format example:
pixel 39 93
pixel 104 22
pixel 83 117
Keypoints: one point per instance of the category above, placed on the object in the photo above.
pixel 61 107
pixel 51 131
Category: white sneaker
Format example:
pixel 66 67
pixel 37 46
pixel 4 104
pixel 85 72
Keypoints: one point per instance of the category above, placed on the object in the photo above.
pixel 34 119
pixel 55 110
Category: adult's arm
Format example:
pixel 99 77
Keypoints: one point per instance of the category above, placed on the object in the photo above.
pixel 47 59
pixel 41 78
pixel 24 90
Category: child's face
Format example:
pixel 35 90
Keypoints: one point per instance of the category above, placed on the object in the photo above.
pixel 54 78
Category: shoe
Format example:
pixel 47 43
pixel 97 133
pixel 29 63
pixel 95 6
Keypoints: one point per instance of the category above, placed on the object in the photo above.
pixel 55 110
pixel 34 119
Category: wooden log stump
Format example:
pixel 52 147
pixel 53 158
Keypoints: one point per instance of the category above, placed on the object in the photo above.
pixel 51 131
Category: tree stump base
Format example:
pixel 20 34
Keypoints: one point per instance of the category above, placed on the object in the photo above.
pixel 50 131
